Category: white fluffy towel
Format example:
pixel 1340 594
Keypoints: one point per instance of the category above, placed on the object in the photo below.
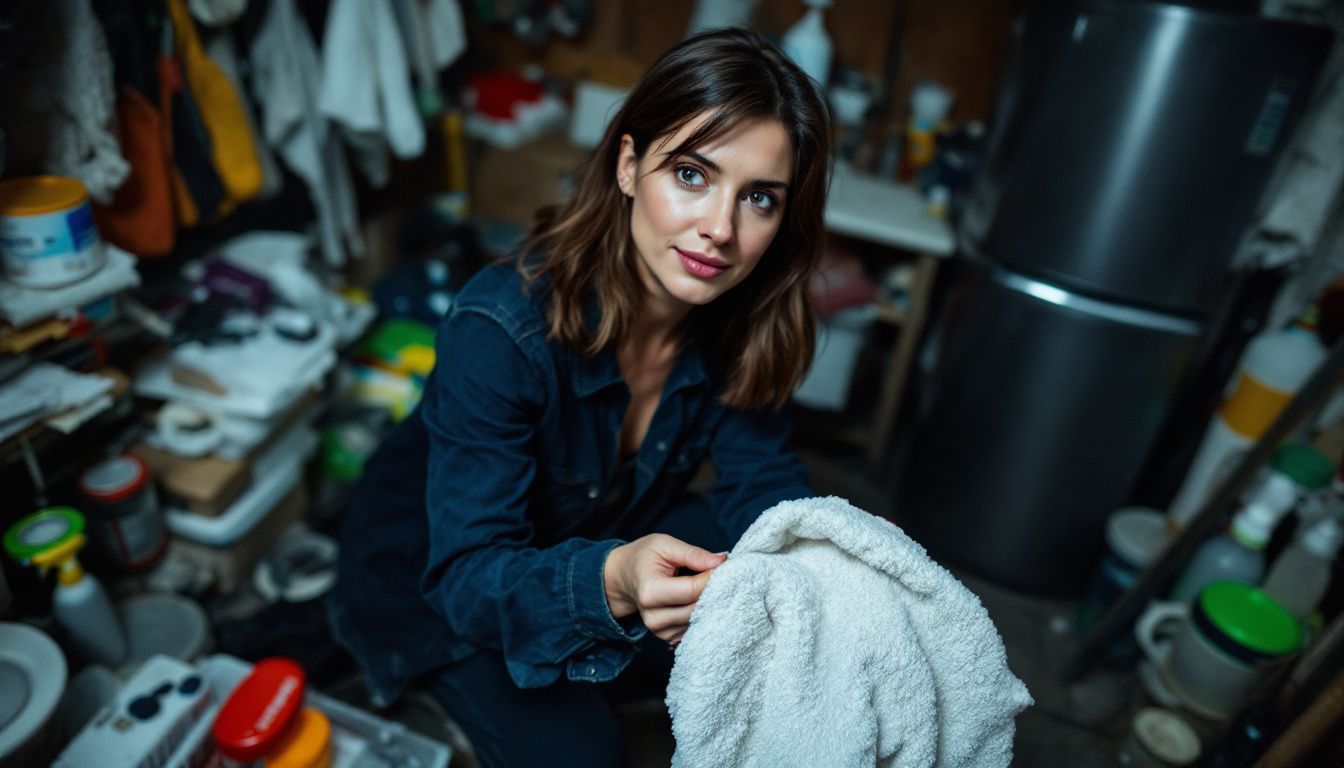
pixel 829 638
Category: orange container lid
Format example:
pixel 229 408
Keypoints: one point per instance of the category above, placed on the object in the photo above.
pixel 306 743
pixel 35 195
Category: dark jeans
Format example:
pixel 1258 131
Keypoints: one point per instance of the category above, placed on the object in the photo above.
pixel 569 723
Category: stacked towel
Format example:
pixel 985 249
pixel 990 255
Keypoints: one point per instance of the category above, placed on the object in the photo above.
pixel 830 638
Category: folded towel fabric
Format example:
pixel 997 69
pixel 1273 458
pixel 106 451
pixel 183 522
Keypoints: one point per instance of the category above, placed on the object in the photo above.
pixel 829 638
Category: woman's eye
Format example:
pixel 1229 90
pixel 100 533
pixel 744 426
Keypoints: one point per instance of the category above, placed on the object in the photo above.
pixel 690 175
pixel 762 200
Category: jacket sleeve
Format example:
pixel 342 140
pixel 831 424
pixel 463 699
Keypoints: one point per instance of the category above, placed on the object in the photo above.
pixel 545 609
pixel 754 468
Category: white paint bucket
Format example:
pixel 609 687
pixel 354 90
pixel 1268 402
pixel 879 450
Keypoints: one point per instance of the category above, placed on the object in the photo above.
pixel 47 234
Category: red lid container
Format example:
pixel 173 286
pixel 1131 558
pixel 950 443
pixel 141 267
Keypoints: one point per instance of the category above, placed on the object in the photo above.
pixel 255 716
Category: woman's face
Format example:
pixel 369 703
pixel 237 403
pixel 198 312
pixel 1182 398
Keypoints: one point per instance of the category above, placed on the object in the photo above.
pixel 701 223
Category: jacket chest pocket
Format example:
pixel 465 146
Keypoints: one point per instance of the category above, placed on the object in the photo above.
pixel 568 497
pixel 688 456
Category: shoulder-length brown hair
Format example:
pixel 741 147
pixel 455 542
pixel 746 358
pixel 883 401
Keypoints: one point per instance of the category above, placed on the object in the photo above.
pixel 759 336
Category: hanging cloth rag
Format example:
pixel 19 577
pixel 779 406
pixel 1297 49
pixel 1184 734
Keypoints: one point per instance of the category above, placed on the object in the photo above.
pixel 139 218
pixel 830 638
pixel 217 13
pixel 197 189
pixel 366 85
pixel 59 115
pixel 231 149
pixel 285 82
pixel 221 49
pixel 435 36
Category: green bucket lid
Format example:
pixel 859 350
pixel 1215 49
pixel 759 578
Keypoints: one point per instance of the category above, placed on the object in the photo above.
pixel 1305 465
pixel 1251 618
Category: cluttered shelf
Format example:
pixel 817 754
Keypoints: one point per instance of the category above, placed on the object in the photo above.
pixel 890 225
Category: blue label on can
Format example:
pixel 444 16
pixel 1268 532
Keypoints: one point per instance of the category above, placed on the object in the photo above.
pixel 82 232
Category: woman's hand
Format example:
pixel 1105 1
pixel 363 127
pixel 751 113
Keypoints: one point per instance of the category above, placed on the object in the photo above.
pixel 641 577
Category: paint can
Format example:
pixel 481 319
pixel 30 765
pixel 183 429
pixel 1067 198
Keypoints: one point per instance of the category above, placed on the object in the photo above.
pixel 122 509
pixel 47 234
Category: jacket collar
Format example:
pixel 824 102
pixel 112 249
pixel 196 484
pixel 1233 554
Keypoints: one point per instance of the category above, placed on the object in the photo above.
pixel 593 374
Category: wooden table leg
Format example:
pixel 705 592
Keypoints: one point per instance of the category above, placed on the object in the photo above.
pixel 898 366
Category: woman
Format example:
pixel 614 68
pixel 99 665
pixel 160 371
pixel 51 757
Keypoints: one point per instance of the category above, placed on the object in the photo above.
pixel 523 537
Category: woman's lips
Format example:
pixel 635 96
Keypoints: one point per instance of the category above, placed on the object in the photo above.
pixel 700 265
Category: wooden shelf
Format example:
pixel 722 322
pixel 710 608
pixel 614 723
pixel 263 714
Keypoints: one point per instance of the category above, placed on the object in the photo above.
pixel 889 313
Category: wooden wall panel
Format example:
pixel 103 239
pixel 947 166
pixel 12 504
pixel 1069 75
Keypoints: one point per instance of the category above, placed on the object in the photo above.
pixel 960 43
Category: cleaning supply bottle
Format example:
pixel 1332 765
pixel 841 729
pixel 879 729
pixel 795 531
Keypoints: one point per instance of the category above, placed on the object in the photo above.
pixel 1239 554
pixel 1301 574
pixel 1276 364
pixel 808 44
pixel 50 538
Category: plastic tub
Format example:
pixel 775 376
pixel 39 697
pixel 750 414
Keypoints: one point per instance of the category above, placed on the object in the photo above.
pixel 357 737
pixel 47 235
pixel 164 623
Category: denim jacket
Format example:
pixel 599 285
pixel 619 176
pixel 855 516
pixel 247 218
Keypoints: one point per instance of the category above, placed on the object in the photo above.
pixel 510 451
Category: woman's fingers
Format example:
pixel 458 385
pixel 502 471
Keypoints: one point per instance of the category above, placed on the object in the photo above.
pixel 679 553
pixel 668 623
pixel 671 591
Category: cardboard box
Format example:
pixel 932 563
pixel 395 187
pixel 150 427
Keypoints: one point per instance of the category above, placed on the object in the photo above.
pixel 206 485
pixel 512 184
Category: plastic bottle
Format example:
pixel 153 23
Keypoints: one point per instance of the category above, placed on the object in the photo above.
pixel 1301 574
pixel 50 538
pixel 1275 366
pixel 929 103
pixel 808 44
pixel 1239 554
pixel 83 610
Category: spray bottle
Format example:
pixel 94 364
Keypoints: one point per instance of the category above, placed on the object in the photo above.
pixel 808 44
pixel 50 538
pixel 1276 364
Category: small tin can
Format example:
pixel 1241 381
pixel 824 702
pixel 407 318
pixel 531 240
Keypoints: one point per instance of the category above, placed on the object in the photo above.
pixel 124 522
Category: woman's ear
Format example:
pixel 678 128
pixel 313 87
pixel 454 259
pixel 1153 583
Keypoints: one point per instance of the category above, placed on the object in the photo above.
pixel 627 166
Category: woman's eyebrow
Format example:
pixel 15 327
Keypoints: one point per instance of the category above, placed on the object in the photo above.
pixel 714 167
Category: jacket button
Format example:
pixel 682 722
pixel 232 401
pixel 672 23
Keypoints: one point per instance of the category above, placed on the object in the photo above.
pixel 662 445
pixel 592 491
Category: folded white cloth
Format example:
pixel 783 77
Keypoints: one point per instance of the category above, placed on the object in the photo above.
pixel 830 638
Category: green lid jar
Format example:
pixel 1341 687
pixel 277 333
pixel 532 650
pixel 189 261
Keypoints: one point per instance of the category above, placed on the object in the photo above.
pixel 1245 623
pixel 1304 465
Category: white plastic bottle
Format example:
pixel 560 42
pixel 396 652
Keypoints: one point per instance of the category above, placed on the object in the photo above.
pixel 1239 554
pixel 1275 365
pixel 808 44
pixel 1301 574
pixel 82 608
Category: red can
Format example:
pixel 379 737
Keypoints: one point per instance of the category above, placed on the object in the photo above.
pixel 122 511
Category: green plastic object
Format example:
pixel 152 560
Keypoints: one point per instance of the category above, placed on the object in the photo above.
pixel 1304 465
pixel 401 344
pixel 1252 618
pixel 36 533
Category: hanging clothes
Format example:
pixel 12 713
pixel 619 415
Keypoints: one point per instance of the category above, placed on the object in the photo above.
pixel 221 111
pixel 286 74
pixel 59 118
pixel 366 85
pixel 139 218
pixel 221 49
pixel 435 36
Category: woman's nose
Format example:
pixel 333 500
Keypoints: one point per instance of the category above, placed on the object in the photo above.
pixel 717 222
